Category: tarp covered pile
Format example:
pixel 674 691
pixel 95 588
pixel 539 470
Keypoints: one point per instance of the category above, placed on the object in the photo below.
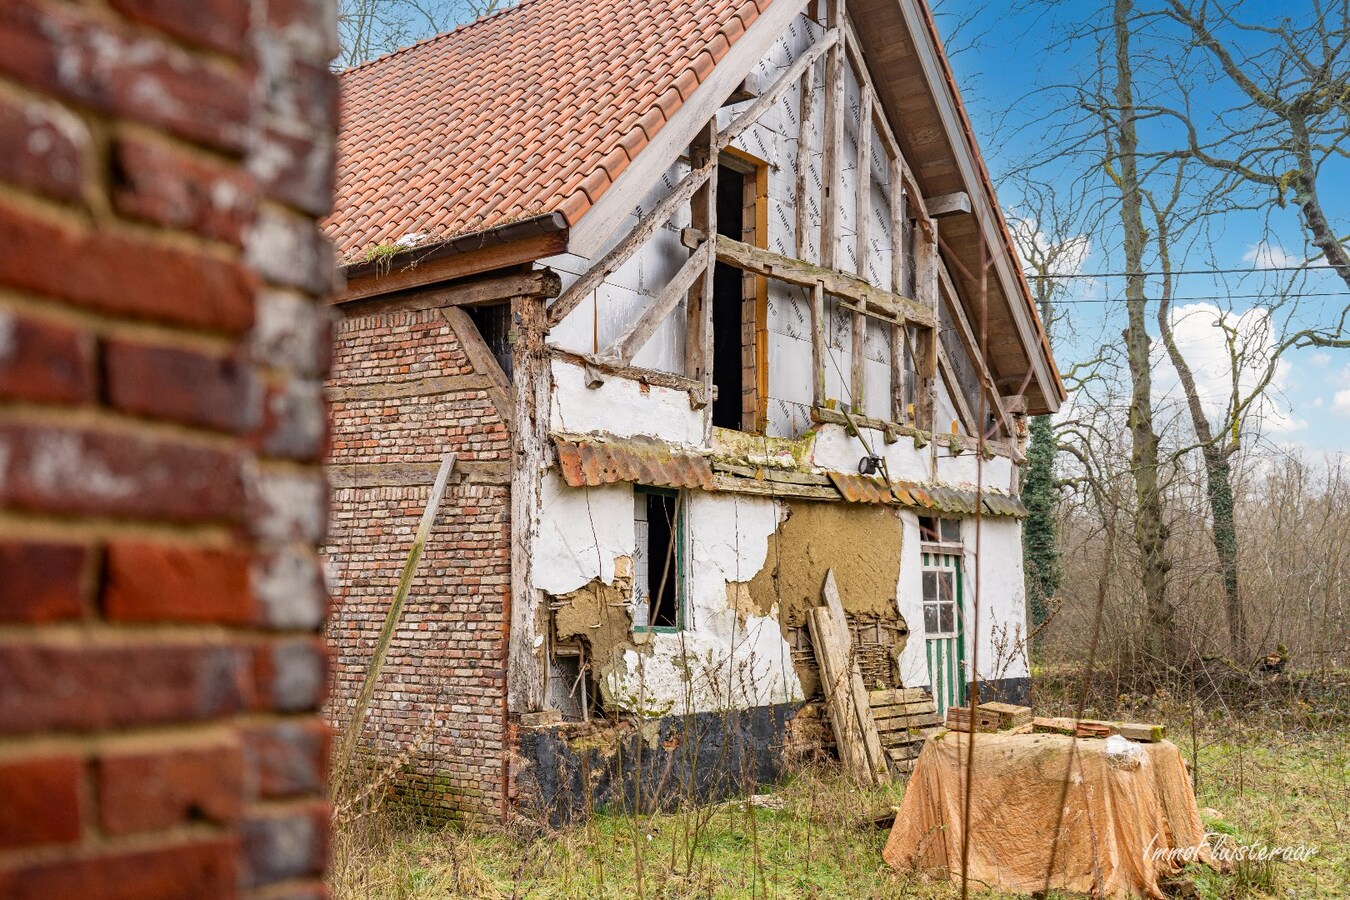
pixel 1049 811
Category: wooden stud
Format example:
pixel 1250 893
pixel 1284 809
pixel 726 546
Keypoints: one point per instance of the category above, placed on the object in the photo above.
pixel 806 138
pixel 863 207
pixel 698 346
pixel 898 258
pixel 832 163
pixel 818 349
pixel 925 350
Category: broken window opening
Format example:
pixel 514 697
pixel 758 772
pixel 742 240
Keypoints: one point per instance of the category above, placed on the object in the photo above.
pixel 658 567
pixel 728 299
pixel 493 321
pixel 933 530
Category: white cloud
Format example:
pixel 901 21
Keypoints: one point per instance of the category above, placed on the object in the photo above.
pixel 1321 359
pixel 1341 402
pixel 1265 255
pixel 1063 258
pixel 1209 340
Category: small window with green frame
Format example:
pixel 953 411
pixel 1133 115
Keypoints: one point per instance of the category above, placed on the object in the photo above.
pixel 658 566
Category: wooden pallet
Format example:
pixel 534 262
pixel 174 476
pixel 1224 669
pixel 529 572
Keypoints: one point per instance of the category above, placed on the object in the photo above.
pixel 904 718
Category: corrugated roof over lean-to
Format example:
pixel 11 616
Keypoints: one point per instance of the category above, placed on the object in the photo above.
pixel 534 110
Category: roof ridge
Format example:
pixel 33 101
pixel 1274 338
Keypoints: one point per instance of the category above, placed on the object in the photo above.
pixel 458 29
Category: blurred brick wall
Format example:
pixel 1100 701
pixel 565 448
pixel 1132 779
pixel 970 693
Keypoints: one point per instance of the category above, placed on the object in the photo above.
pixel 162 352
pixel 405 392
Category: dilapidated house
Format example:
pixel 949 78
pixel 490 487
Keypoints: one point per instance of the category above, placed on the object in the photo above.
pixel 708 298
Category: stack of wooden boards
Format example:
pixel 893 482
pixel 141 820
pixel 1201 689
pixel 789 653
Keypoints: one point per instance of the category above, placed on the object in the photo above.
pixel 990 717
pixel 846 698
pixel 1144 732
pixel 904 718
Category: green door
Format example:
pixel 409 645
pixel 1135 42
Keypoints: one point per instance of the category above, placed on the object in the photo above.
pixel 943 627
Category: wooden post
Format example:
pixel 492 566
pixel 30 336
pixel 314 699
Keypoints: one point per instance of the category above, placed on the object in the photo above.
pixel 926 357
pixel 806 137
pixel 898 258
pixel 526 650
pixel 832 162
pixel 698 346
pixel 863 206
pixel 353 730
pixel 818 348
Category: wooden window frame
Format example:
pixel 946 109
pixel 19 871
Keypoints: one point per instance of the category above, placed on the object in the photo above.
pixel 754 290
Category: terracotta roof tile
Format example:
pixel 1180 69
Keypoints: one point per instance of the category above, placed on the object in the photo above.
pixel 531 111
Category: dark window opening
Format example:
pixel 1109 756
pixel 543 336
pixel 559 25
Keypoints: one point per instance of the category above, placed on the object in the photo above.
pixel 657 569
pixel 933 530
pixel 728 296
pixel 494 324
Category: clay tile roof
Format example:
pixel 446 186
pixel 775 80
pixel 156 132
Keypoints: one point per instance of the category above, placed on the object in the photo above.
pixel 531 111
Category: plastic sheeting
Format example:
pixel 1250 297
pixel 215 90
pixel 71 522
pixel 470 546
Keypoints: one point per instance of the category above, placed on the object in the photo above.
pixel 1118 809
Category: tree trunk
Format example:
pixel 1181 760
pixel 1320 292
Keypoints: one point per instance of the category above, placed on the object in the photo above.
pixel 1150 531
pixel 1309 204
pixel 1218 491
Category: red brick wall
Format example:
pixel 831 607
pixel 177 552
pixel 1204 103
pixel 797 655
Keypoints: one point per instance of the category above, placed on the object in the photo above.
pixel 404 393
pixel 162 351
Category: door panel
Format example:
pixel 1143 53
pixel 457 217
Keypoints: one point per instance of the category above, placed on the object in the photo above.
pixel 944 629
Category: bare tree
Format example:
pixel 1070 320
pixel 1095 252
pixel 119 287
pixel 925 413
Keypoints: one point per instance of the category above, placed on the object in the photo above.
pixel 1121 160
pixel 1295 113
pixel 371 28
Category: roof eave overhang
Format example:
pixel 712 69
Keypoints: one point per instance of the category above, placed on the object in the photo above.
pixel 506 233
pixel 984 204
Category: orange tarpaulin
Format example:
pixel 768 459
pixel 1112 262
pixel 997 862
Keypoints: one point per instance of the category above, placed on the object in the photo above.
pixel 1118 809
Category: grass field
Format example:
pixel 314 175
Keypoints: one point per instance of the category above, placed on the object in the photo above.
pixel 1265 784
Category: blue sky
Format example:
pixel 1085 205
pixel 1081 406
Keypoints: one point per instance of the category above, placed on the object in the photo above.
pixel 1008 58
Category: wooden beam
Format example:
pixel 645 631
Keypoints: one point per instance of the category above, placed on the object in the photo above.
pixel 627 345
pixel 456 265
pixel 536 283
pixel 358 717
pixel 873 300
pixel 780 87
pixel 963 330
pixel 963 413
pixel 863 208
pixel 608 367
pixel 524 626
pixel 481 358
pixel 571 298
pixel 949 204
pixel 806 138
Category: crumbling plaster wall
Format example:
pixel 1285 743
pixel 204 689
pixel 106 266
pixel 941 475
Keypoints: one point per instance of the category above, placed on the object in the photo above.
pixel 728 656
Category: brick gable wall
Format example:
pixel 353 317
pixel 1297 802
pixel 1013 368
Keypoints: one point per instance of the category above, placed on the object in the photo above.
pixel 404 392
pixel 162 350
